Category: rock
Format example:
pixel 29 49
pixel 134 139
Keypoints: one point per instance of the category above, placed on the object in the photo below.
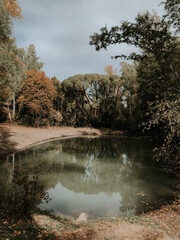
pixel 82 217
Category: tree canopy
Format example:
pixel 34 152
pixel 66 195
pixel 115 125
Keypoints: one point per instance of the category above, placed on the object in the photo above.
pixel 157 69
pixel 143 95
pixel 36 98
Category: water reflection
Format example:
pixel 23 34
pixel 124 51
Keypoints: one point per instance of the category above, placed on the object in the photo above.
pixel 20 192
pixel 108 176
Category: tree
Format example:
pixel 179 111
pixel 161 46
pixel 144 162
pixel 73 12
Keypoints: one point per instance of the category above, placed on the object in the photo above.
pixel 5 24
pixel 58 101
pixel 166 114
pixel 10 64
pixel 157 68
pixel 3 107
pixel 109 70
pixel 158 46
pixel 12 7
pixel 75 98
pixel 172 8
pixel 100 100
pixel 31 60
pixel 36 99
pixel 149 33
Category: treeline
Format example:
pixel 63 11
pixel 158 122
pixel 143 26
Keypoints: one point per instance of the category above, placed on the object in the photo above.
pixel 144 96
pixel 157 72
pixel 28 96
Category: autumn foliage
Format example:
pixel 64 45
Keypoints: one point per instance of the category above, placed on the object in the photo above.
pixel 13 8
pixel 109 70
pixel 36 98
pixel 143 95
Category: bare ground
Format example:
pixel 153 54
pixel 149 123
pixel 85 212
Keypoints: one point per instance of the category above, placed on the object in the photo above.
pixel 156 225
pixel 20 137
pixel 162 224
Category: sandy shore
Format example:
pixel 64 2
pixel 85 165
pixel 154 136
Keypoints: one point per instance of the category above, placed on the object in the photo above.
pixel 20 137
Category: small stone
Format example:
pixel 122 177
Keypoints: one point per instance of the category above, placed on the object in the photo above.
pixel 82 217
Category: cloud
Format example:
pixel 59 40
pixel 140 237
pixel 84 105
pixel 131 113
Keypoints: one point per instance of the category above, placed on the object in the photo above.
pixel 60 31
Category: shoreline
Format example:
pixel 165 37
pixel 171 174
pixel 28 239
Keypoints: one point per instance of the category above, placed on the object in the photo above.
pixel 16 138
pixel 22 137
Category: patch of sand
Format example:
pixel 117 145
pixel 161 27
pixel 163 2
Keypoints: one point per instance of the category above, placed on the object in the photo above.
pixel 23 137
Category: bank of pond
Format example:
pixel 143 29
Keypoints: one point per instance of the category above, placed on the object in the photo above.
pixel 108 176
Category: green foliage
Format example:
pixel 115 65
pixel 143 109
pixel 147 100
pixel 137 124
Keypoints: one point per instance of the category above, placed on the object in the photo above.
pixel 149 33
pixel 57 102
pixel 156 89
pixel 13 61
pixel 3 99
pixel 5 24
pixel 172 8
pixel 10 63
pixel 166 113
pixel 100 100
pixel 31 60
pixel 139 95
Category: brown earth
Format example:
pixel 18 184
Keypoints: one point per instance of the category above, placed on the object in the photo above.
pixel 160 224
pixel 13 137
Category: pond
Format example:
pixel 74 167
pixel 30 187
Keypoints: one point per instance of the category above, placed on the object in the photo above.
pixel 102 176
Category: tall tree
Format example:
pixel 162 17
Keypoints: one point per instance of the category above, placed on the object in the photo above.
pixel 31 60
pixel 158 67
pixel 99 100
pixel 10 64
pixel 157 45
pixel 58 101
pixel 36 99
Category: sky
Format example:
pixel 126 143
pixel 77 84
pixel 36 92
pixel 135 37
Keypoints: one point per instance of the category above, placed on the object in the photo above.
pixel 60 31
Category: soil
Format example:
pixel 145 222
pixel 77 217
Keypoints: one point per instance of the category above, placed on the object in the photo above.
pixel 162 224
pixel 155 225
pixel 15 138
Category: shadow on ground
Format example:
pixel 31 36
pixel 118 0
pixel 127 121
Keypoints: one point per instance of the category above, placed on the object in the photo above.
pixel 6 145
pixel 22 230
pixel 45 228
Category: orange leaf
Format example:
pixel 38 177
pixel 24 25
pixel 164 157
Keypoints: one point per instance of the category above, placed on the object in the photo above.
pixel 17 232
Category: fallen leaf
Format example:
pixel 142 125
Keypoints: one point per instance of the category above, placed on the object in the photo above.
pixel 17 232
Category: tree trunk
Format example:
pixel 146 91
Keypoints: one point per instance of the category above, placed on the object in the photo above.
pixel 9 113
pixel 14 106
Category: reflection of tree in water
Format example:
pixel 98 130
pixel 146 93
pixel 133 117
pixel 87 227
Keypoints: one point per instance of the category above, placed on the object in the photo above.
pixel 88 165
pixel 106 148
pixel 20 193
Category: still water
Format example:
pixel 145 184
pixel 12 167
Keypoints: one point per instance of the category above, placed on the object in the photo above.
pixel 104 177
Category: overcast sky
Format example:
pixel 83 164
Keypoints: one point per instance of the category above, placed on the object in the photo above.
pixel 60 31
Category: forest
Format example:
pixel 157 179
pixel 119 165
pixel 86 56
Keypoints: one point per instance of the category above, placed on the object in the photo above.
pixel 143 98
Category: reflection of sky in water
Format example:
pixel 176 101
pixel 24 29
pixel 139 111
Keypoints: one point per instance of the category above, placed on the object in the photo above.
pixel 74 160
pixel 124 157
pixel 88 169
pixel 100 176
pixel 70 202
